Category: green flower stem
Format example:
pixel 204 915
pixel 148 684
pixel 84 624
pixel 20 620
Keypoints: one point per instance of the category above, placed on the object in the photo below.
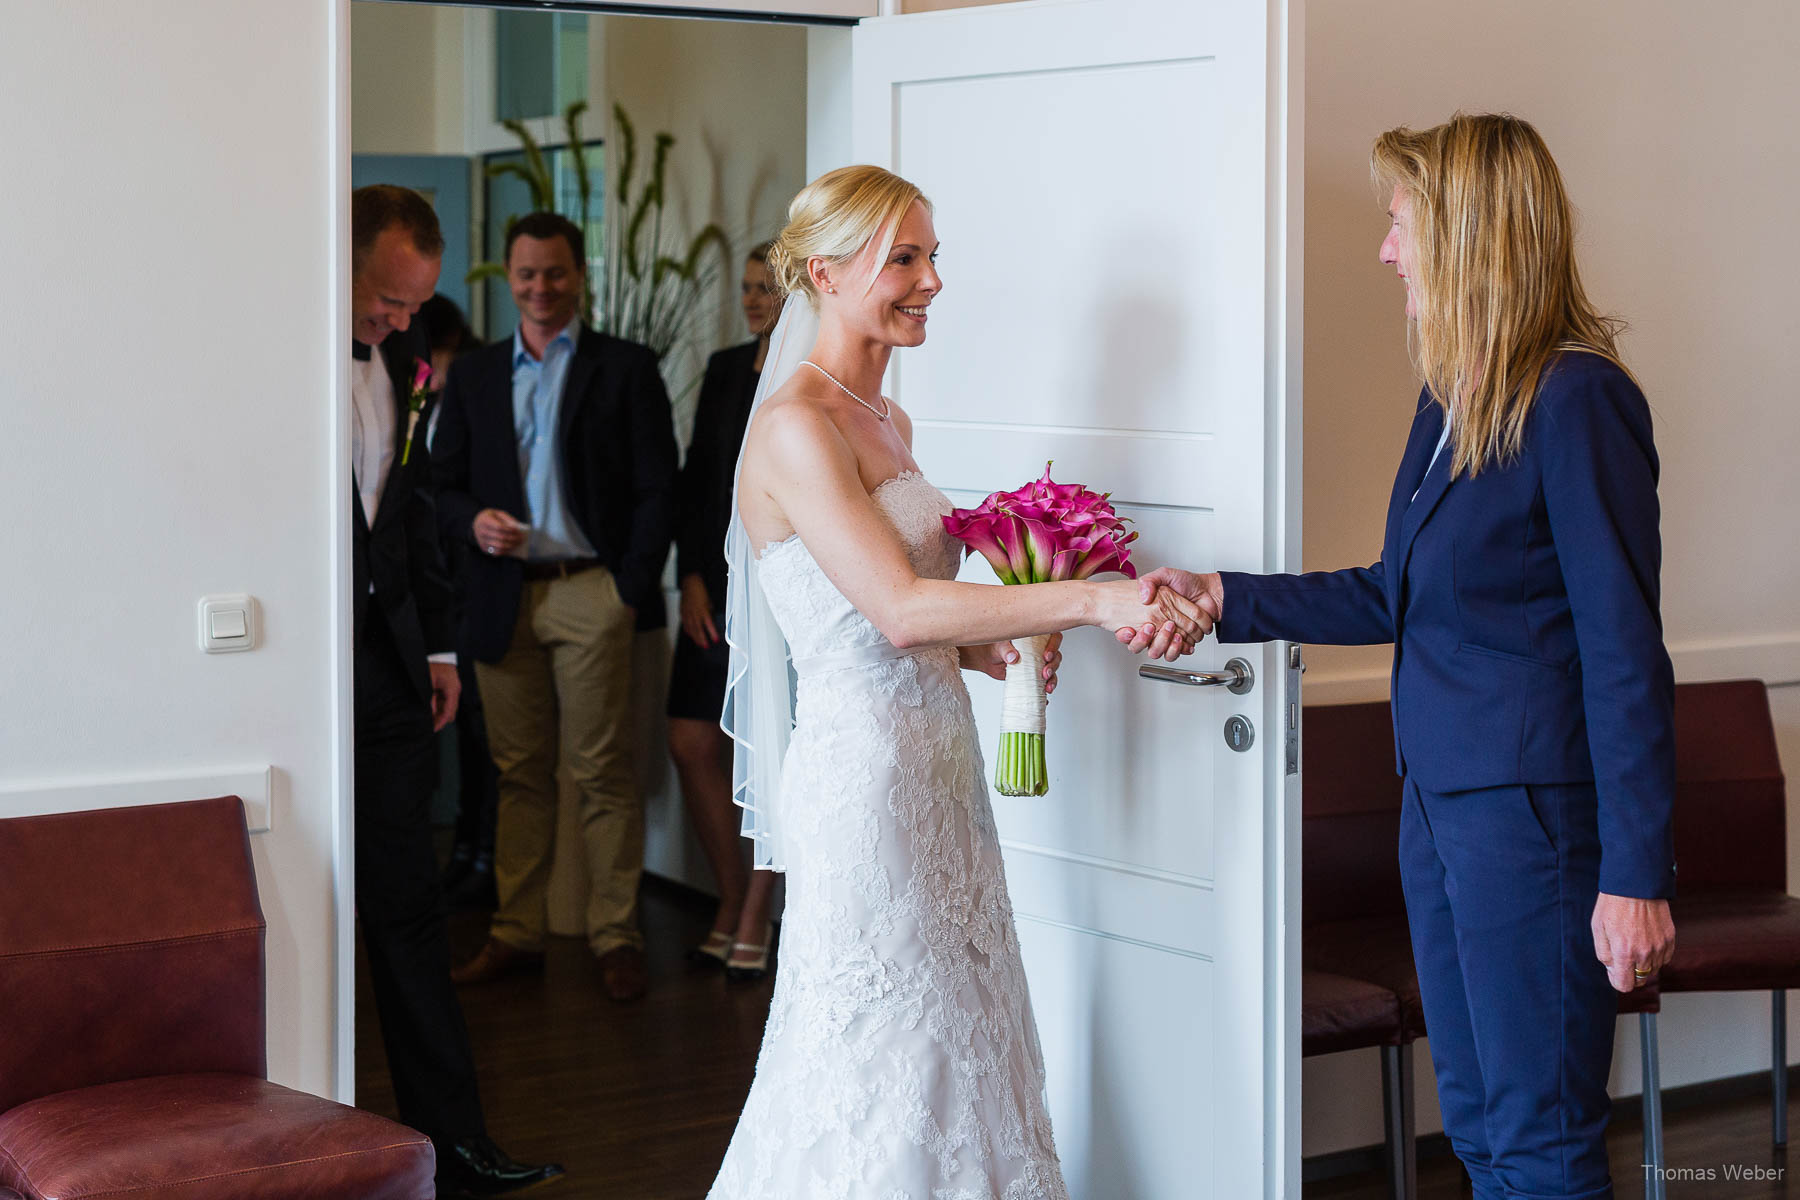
pixel 1021 769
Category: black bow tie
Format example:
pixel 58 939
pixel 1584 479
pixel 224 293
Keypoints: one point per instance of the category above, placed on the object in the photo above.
pixel 360 350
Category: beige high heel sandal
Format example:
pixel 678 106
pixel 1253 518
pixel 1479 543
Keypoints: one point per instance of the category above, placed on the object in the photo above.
pixel 749 962
pixel 714 951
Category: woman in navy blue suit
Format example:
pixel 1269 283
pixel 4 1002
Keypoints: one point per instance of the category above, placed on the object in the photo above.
pixel 1531 692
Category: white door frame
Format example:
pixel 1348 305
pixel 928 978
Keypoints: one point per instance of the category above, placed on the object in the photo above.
pixel 343 670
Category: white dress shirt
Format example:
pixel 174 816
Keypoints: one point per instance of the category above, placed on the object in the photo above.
pixel 371 429
pixel 372 418
pixel 1443 439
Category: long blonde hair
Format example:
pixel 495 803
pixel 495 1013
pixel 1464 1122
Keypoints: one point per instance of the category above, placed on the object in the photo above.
pixel 834 217
pixel 1496 292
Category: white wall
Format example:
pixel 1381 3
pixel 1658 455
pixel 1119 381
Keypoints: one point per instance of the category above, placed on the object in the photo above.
pixel 407 78
pixel 734 97
pixel 168 406
pixel 1673 131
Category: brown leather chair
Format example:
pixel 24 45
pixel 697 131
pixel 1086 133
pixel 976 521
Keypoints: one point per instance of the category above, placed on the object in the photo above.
pixel 1341 1013
pixel 1736 926
pixel 1353 912
pixel 1358 987
pixel 132 1061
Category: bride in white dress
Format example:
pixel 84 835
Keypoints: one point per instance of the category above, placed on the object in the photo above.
pixel 900 1061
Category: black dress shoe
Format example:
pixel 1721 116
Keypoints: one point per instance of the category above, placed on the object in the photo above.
pixel 477 1167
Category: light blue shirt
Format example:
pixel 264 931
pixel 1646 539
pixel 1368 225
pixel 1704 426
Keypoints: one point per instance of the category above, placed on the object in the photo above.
pixel 537 411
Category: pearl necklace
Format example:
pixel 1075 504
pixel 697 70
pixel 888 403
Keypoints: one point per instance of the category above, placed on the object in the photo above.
pixel 880 413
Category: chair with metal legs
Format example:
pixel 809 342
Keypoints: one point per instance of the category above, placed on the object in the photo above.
pixel 1736 927
pixel 1354 920
pixel 1340 1013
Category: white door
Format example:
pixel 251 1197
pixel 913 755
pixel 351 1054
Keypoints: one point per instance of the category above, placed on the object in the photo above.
pixel 1116 192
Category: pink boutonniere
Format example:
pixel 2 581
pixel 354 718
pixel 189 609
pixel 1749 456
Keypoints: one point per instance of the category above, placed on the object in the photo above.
pixel 415 403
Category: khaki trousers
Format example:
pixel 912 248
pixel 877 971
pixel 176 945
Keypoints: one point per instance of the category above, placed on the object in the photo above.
pixel 562 696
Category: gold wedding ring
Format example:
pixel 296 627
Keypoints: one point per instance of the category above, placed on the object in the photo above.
pixel 1640 973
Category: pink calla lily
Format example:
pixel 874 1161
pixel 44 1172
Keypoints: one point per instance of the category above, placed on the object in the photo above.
pixel 1012 538
pixel 1042 532
pixel 979 531
pixel 1046 531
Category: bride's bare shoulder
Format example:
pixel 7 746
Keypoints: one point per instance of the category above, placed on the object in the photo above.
pixel 794 431
pixel 902 423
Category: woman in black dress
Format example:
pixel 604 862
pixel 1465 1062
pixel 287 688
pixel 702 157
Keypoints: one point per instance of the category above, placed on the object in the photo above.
pixel 701 750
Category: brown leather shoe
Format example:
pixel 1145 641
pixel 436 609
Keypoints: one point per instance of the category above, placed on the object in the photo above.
pixel 622 974
pixel 495 959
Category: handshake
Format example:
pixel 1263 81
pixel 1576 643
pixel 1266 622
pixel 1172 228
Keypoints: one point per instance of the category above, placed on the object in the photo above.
pixel 1188 605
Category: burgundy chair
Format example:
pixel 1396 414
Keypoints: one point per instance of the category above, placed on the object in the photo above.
pixel 1736 926
pixel 1358 987
pixel 132 1058
pixel 1353 914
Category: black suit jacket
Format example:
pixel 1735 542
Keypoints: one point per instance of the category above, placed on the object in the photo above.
pixel 617 445
pixel 399 554
pixel 703 501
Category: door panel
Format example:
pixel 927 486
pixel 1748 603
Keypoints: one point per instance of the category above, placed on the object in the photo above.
pixel 1109 180
pixel 1137 1098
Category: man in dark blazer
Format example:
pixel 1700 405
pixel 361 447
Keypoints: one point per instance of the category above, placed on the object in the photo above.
pixel 555 458
pixel 405 690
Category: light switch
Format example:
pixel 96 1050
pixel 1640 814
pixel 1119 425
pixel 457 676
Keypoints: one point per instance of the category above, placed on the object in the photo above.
pixel 228 623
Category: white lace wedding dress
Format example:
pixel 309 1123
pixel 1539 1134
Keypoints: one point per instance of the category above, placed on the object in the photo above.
pixel 900 1060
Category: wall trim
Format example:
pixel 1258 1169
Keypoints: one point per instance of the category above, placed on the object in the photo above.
pixel 1773 658
pixel 255 786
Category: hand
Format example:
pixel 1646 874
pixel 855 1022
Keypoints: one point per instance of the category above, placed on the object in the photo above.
pixel 497 532
pixel 1174 622
pixel 994 657
pixel 1632 933
pixel 1207 591
pixel 697 612
pixel 446 690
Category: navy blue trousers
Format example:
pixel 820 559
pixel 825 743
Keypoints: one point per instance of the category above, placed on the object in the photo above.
pixel 1500 888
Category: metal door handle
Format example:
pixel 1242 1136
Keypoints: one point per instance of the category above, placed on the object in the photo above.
pixel 1237 677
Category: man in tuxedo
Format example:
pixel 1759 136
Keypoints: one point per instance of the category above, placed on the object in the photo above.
pixel 405 690
pixel 555 459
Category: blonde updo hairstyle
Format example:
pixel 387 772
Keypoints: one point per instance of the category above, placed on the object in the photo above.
pixel 836 217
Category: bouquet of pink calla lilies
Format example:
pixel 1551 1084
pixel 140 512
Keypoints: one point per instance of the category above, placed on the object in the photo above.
pixel 1040 533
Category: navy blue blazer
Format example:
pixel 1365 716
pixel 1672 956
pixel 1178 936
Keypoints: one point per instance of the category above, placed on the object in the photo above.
pixel 1523 608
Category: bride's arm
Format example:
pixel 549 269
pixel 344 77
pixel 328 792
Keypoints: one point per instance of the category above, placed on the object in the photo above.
pixel 813 479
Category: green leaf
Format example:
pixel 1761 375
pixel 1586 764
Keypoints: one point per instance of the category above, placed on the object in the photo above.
pixel 543 188
pixel 539 201
pixel 633 230
pixel 659 171
pixel 712 235
pixel 628 151
pixel 486 270
pixel 578 152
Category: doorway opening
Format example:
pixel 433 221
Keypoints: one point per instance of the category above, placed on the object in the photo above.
pixel 674 145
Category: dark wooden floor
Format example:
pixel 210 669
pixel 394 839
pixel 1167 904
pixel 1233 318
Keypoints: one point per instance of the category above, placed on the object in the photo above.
pixel 1702 1145
pixel 638 1101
